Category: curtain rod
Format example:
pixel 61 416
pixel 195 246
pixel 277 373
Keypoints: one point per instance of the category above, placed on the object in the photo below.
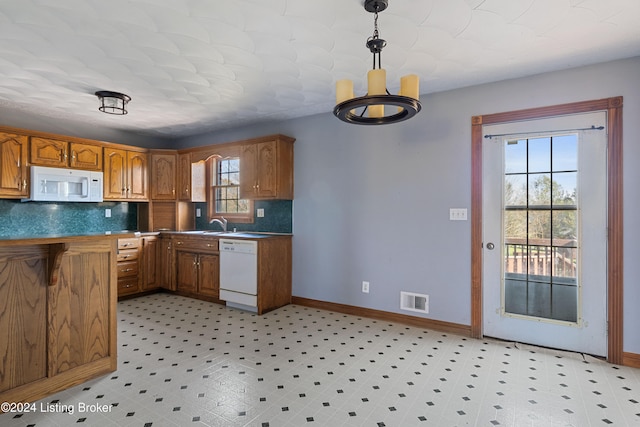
pixel 543 131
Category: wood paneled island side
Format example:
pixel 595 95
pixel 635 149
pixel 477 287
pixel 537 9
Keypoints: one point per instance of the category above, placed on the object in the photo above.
pixel 57 313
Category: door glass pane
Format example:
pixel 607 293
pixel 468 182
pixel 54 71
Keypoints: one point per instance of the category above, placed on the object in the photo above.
pixel 539 152
pixel 540 228
pixel 515 190
pixel 565 148
pixel 515 156
pixel 539 189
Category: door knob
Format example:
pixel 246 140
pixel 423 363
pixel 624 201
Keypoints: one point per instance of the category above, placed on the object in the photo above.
pixel 490 246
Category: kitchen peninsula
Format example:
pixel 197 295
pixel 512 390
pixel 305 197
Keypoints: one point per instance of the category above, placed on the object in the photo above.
pixel 58 299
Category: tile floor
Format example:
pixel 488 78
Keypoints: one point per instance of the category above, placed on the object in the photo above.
pixel 184 362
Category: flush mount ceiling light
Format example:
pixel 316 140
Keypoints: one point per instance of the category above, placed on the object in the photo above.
pixel 401 107
pixel 113 102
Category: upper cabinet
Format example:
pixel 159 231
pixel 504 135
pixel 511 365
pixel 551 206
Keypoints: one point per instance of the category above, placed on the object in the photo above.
pixel 13 165
pixel 125 175
pixel 163 175
pixel 184 176
pixel 59 153
pixel 267 169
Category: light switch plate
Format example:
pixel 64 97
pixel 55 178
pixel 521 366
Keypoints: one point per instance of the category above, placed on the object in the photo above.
pixel 198 213
pixel 260 212
pixel 458 214
pixel 107 213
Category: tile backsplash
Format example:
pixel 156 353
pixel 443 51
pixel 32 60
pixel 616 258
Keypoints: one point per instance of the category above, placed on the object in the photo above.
pixel 32 219
pixel 278 218
pixel 18 219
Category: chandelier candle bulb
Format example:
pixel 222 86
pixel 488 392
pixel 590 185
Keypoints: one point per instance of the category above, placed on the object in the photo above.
pixel 377 80
pixel 344 90
pixel 409 86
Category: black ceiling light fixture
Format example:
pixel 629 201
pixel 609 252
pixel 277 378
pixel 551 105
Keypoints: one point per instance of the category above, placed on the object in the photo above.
pixel 113 102
pixel 403 106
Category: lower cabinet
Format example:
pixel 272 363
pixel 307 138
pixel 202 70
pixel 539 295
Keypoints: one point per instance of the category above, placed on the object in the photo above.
pixel 150 263
pixel 128 266
pixel 189 265
pixel 197 266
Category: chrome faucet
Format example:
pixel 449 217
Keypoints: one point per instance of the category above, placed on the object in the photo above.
pixel 222 221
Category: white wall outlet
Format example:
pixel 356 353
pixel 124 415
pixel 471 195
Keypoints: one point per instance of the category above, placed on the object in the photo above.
pixel 260 212
pixel 458 214
pixel 107 213
pixel 365 287
pixel 198 213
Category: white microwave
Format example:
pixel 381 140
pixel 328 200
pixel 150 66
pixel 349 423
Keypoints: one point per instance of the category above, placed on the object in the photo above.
pixel 65 185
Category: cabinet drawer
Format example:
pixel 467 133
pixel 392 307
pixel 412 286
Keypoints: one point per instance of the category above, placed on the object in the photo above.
pixel 128 286
pixel 207 244
pixel 129 243
pixel 127 255
pixel 127 269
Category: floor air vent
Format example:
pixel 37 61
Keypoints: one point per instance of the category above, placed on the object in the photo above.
pixel 414 302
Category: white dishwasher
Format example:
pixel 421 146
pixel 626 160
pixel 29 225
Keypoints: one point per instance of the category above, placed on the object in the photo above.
pixel 239 273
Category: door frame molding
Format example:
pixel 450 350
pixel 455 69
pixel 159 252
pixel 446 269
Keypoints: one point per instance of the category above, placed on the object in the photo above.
pixel 613 107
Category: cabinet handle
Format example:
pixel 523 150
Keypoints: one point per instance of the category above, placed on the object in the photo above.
pixel 73 155
pixel 178 243
pixel 209 245
pixel 24 184
pixel 65 156
pixel 126 244
pixel 126 270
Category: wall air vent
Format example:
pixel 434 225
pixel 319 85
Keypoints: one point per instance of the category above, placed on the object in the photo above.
pixel 414 302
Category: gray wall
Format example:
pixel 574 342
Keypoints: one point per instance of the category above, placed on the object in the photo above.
pixel 372 203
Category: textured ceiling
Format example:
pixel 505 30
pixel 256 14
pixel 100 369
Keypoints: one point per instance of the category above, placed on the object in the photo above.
pixel 193 66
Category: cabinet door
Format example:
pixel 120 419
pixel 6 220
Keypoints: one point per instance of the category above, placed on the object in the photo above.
pixel 267 167
pixel 49 152
pixel 150 247
pixel 248 171
pixel 23 316
pixel 186 271
pixel 85 156
pixel 80 307
pixel 209 280
pixel 167 261
pixel 137 173
pixel 163 176
pixel 115 176
pixel 184 176
pixel 13 169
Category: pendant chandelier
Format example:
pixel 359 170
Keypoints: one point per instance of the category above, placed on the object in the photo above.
pixel 370 109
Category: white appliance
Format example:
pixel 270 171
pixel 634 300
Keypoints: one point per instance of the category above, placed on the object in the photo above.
pixel 65 185
pixel 239 273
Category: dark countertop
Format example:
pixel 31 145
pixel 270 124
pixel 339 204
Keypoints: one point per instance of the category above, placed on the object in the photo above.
pixel 61 238
pixel 64 238
pixel 228 234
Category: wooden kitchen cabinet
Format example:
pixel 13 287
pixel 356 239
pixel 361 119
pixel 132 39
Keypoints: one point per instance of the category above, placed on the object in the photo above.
pixel 128 266
pixel 197 266
pixel 149 262
pixel 125 175
pixel 163 175
pixel 267 169
pixel 63 154
pixel 14 180
pixel 184 176
pixel 57 315
pixel 166 278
